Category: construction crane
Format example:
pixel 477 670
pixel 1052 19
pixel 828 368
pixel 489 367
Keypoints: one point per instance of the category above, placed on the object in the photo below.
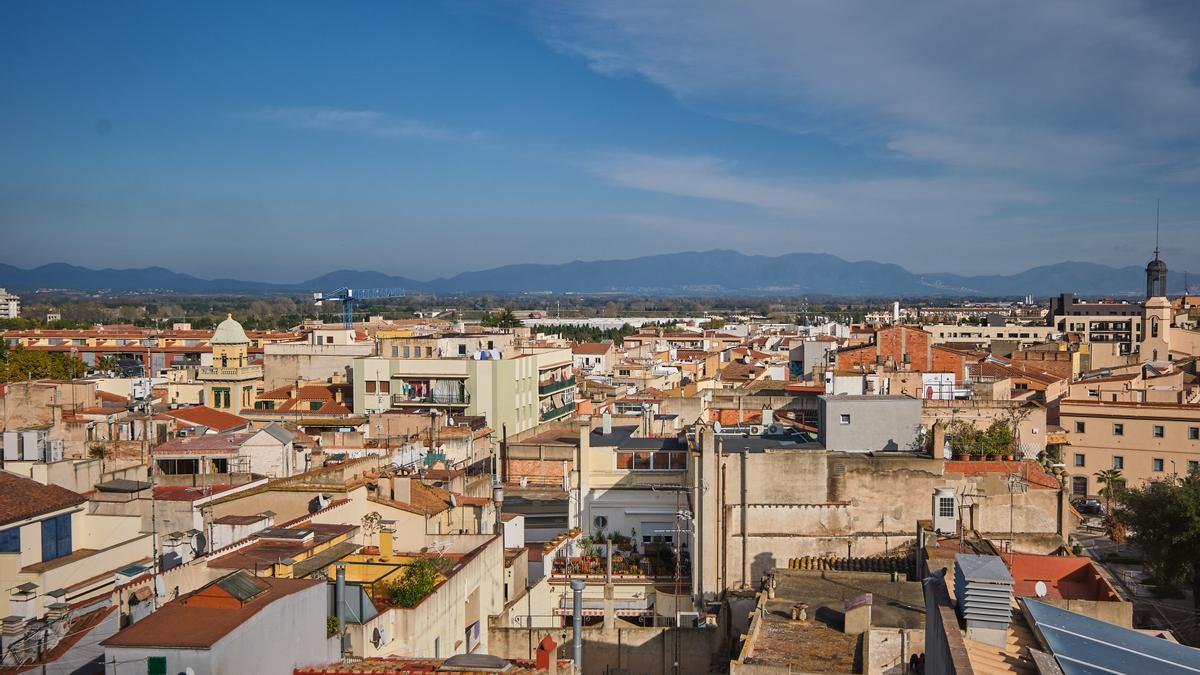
pixel 349 296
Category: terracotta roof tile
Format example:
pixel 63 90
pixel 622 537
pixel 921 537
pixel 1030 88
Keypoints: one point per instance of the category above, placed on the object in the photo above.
pixel 180 625
pixel 208 417
pixel 22 498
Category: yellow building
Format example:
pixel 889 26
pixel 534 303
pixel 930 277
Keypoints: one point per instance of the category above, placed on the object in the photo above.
pixel 230 382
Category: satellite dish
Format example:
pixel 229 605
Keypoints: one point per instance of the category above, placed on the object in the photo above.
pixel 717 427
pixel 1040 589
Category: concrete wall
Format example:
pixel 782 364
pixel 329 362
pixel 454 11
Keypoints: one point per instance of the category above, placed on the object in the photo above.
pixel 875 423
pixel 633 648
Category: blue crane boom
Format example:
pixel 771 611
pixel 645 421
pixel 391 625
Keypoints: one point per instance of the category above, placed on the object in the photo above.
pixel 349 296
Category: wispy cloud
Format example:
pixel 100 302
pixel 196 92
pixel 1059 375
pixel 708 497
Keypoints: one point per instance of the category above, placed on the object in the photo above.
pixel 363 122
pixel 711 178
pixel 1043 86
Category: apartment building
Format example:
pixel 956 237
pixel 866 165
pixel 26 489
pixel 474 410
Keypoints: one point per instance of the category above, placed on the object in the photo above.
pixel 1108 322
pixel 515 390
pixel 54 548
pixel 1024 336
pixel 1144 440
pixel 10 305
pixel 154 350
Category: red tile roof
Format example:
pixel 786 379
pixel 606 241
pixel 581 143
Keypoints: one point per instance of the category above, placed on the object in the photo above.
pixel 206 444
pixel 1030 470
pixel 22 498
pixel 1067 578
pixel 208 417
pixel 326 394
pixel 592 348
pixel 183 626
pixel 188 493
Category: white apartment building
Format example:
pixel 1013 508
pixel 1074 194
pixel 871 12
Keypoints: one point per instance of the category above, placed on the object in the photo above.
pixel 10 305
pixel 515 391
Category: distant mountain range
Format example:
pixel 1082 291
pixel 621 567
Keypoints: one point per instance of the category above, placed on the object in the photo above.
pixel 693 273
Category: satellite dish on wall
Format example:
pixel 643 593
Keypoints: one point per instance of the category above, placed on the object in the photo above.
pixel 717 427
pixel 1040 589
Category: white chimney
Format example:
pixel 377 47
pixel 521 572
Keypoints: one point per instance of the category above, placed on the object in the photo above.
pixel 606 423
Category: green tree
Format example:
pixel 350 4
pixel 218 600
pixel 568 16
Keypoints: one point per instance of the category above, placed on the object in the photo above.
pixel 20 363
pixel 502 319
pixel 1163 517
pixel 417 581
pixel 1112 480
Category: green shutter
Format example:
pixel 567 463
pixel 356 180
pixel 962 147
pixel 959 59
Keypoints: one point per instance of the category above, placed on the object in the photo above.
pixel 156 665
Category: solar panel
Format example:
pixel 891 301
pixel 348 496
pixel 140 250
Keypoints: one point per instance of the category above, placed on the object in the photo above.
pixel 1083 645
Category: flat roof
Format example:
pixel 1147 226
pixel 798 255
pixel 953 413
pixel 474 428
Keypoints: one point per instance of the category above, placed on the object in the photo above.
pixel 819 645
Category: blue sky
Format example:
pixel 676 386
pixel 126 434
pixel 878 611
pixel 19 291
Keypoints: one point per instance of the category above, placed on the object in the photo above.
pixel 280 141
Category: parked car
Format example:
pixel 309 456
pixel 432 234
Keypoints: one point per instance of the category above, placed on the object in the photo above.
pixel 1088 507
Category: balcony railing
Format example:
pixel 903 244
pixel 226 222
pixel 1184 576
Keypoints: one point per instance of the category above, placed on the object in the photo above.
pixel 551 387
pixel 463 398
pixel 218 373
pixel 555 413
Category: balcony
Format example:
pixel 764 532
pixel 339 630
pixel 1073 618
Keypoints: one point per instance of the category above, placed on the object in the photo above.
pixel 243 373
pixel 401 400
pixel 555 413
pixel 551 387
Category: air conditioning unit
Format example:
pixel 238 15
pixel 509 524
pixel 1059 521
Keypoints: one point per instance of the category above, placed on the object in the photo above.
pixel 756 430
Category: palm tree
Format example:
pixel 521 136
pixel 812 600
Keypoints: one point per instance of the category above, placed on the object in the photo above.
pixel 1112 480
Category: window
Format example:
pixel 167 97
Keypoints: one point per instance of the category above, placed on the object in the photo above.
pixel 1118 429
pixel 56 537
pixel 1156 464
pixel 156 665
pixel 406 351
pixel 315 405
pixel 328 339
pixel 646 460
pixel 395 351
pixel 370 386
pixel 1193 466
pixel 385 387
pixel 845 418
pixel 1079 485
pixel 10 540
pixel 1194 433
pixel 946 507
pixel 1158 431
pixel 1080 427
pixel 1080 460
pixel 462 349
pixel 1118 462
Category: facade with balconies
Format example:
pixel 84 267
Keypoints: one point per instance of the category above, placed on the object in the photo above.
pixel 514 392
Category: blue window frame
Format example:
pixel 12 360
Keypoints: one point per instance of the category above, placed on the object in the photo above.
pixel 56 537
pixel 10 540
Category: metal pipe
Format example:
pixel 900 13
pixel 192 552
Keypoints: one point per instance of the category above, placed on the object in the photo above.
pixel 339 601
pixel 577 587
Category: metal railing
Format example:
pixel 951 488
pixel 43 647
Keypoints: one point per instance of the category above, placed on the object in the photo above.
pixel 551 387
pixel 460 398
